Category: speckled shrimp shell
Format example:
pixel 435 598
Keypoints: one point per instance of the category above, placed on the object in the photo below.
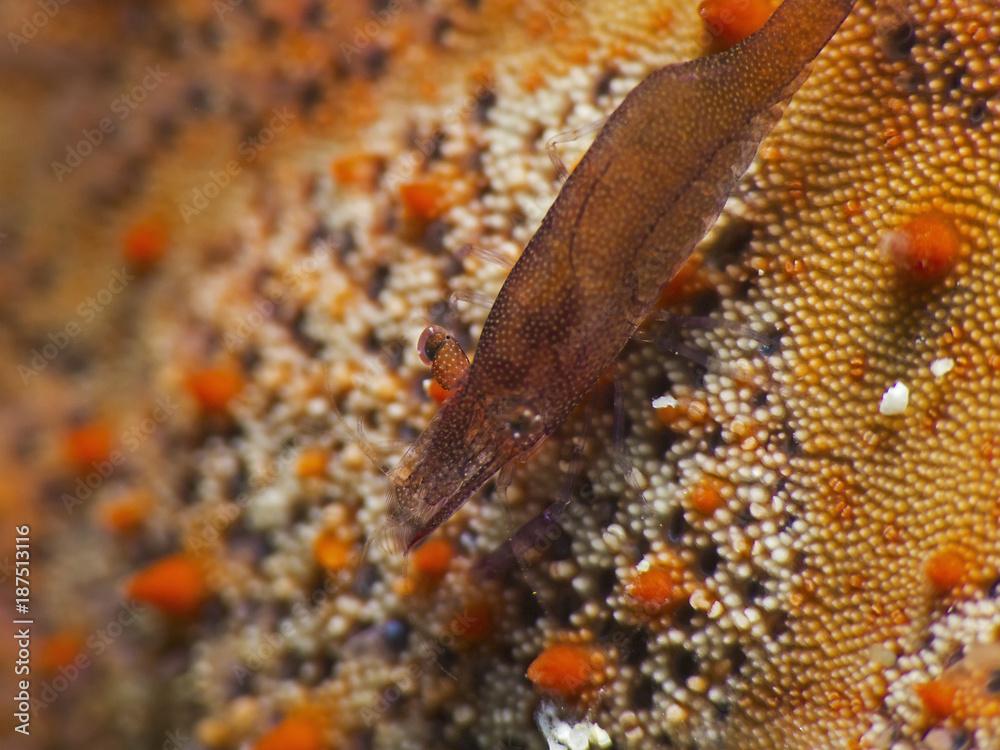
pixel 648 189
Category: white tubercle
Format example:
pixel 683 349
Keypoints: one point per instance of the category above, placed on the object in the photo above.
pixel 895 400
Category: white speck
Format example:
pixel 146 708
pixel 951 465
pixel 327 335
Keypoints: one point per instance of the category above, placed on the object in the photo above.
pixel 562 735
pixel 941 367
pixel 676 714
pixel 939 739
pixel 781 555
pixel 895 400
pixel 882 655
pixel 599 738
pixel 664 402
pixel 575 737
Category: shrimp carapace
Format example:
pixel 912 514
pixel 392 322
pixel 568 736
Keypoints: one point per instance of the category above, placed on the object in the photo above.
pixel 647 190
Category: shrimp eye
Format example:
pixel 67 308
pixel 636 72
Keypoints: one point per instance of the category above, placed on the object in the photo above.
pixel 445 356
pixel 431 339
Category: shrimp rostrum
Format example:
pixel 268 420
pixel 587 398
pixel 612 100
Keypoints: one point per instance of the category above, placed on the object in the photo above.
pixel 651 185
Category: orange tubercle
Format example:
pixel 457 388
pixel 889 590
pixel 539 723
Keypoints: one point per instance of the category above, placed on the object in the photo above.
pixel 537 25
pixel 175 585
pixel 145 242
pixel 124 513
pixel 293 733
pixel 706 496
pixel 355 170
pixel 312 463
pixel 732 21
pixel 332 552
pixel 577 53
pixel 938 697
pixel 214 388
pixel 59 650
pixel 433 558
pixel 661 21
pixel 437 391
pixel 424 199
pixel 947 569
pixel 563 669
pixel 474 623
pixel 88 444
pixel 926 248
pixel 656 588
pixel 532 80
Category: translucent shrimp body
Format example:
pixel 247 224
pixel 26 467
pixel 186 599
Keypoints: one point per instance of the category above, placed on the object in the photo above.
pixel 653 182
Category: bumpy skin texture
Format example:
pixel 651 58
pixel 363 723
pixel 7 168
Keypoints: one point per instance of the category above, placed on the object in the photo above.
pixel 800 534
pixel 646 192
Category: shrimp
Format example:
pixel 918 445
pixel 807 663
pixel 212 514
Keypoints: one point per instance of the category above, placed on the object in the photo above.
pixel 648 189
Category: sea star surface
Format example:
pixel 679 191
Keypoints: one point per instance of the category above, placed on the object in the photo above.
pixel 787 539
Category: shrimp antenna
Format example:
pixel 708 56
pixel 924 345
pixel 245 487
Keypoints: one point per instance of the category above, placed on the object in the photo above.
pixel 568 136
pixel 387 535
pixel 486 254
pixel 358 433
pixel 668 339
pixel 619 448
pixel 471 298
